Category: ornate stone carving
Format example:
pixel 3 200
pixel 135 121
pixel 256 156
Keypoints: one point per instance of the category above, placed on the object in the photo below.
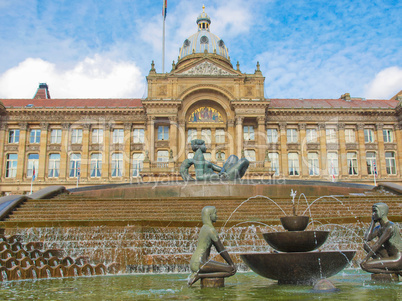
pixel 23 126
pixel 274 146
pixel 231 123
pixel 261 119
pixel 360 126
pixel 127 126
pixel 32 148
pixel 162 91
pixel 66 126
pixel 11 148
pixel 173 119
pixel 302 126
pixel 351 146
pixel 282 126
pixel 248 143
pixel 3 126
pixel 341 126
pixel 293 146
pixel 137 146
pixel 206 68
pixel 239 120
pixel 321 126
pixel 44 126
pixel 389 146
pixel 96 147
pixel 86 126
pixel 162 144
pixel 249 91
pixel 75 148
pixel 379 126
pixel 117 147
pixel 371 146
pixel 313 146
pixel 53 148
pixel 332 146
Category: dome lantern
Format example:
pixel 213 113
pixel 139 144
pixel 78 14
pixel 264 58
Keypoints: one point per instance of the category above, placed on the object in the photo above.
pixel 203 20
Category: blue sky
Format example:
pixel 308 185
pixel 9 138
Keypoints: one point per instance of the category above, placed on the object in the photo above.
pixel 99 48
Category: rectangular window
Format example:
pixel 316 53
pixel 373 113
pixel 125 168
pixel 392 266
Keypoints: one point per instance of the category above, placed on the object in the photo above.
pixel 249 154
pixel 371 162
pixel 117 165
pixel 163 132
pixel 248 132
pixel 96 165
pixel 34 136
pixel 76 136
pixel 291 135
pixel 191 135
pixel 352 163
pixel 274 158
pixel 332 163
pixel 162 158
pixel 313 165
pixel 206 135
pixel 75 164
pixel 138 159
pixel 272 135
pixel 350 136
pixel 368 136
pixel 54 166
pixel 388 135
pixel 33 162
pixel 13 136
pixel 293 163
pixel 331 136
pixel 390 163
pixel 220 136
pixel 118 136
pixel 11 165
pixel 55 136
pixel 138 136
pixel 311 136
pixel 97 136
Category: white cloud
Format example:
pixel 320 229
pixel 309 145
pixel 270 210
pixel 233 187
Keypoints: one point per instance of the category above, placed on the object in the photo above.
pixel 386 83
pixel 93 77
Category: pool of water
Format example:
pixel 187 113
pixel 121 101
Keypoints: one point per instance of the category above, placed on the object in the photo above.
pixel 352 285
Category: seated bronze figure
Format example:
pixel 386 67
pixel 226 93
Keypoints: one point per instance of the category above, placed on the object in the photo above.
pixel 200 265
pixel 234 168
pixel 385 254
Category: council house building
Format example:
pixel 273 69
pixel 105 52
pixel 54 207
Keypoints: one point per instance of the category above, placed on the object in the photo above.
pixel 84 142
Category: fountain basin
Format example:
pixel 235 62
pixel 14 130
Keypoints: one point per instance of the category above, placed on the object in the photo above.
pixel 298 267
pixel 294 223
pixel 296 241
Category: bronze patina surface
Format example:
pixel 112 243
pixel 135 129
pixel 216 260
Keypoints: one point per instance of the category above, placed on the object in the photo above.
pixel 296 241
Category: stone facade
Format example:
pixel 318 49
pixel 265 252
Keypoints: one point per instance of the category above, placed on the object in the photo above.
pixel 87 142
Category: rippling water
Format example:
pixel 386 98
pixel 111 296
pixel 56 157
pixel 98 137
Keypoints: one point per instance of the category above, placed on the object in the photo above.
pixel 352 285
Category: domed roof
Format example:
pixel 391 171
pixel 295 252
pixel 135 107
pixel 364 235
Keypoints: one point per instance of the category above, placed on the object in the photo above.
pixel 204 40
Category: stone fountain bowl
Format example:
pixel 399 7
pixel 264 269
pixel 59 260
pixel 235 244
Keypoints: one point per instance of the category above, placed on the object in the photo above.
pixel 296 241
pixel 298 267
pixel 294 223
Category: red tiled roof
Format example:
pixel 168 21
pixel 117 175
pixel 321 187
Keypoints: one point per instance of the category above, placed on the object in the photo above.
pixel 332 103
pixel 63 103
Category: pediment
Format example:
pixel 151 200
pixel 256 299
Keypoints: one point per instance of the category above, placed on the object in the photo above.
pixel 206 67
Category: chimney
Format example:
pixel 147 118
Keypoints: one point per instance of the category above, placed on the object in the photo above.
pixel 42 92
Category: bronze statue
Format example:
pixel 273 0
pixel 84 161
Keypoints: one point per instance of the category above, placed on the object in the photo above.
pixel 205 170
pixel 200 265
pixel 385 255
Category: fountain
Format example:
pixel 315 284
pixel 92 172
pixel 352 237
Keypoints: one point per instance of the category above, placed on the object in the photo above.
pixel 297 262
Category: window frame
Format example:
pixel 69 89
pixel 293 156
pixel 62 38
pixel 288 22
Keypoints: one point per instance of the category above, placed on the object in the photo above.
pixel 55 136
pixel 96 165
pixel 352 164
pixel 163 133
pixel 292 135
pixel 76 136
pixel 248 133
pixel 391 169
pixel 34 136
pixel 54 165
pixel 272 135
pixel 138 135
pixel 369 135
pixel 11 166
pixel 293 164
pixel 13 136
pixel 97 135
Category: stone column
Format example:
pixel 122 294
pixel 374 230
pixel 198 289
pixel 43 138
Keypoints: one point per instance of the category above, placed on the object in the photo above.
pixel 106 153
pixel 173 137
pixel 43 151
pixel 380 157
pixel 323 149
pixel 239 135
pixel 261 138
pixel 303 148
pixel 64 150
pixel 342 167
pixel 151 126
pixel 362 150
pixel 3 138
pixel 398 137
pixel 127 150
pixel 85 161
pixel 182 142
pixel 21 152
pixel 284 149
pixel 229 139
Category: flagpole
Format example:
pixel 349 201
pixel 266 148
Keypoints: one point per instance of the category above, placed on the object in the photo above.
pixel 375 174
pixel 163 46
